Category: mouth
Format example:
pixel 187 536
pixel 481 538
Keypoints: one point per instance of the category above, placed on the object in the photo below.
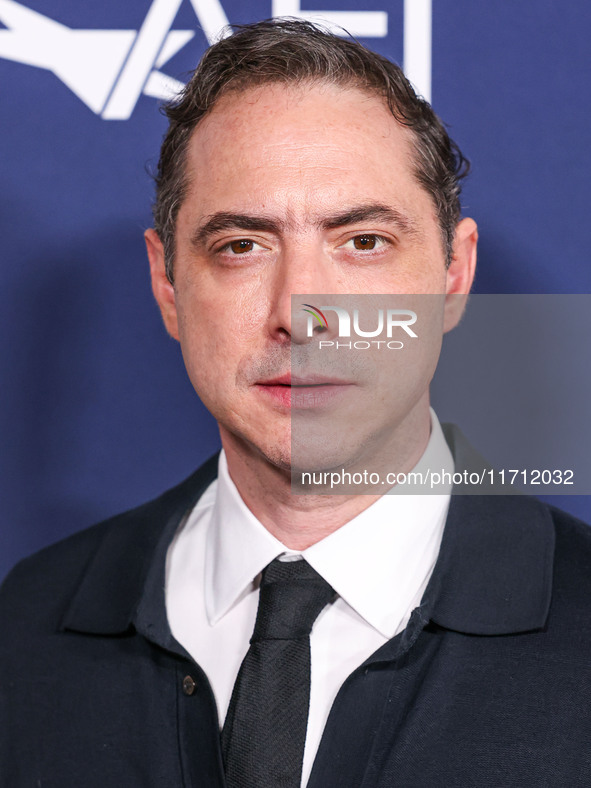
pixel 303 391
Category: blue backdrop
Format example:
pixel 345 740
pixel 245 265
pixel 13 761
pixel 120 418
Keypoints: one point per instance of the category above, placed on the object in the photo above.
pixel 96 413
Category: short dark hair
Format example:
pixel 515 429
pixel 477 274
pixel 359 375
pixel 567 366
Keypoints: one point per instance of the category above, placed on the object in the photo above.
pixel 289 51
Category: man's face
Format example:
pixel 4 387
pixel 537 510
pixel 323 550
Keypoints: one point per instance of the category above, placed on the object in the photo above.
pixel 292 190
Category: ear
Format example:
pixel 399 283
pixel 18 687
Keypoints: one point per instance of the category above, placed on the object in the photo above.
pixel 460 273
pixel 161 287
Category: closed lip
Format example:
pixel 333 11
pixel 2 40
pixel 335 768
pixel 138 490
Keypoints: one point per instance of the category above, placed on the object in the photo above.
pixel 304 380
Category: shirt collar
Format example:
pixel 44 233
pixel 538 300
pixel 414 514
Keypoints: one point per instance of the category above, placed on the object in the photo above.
pixel 493 575
pixel 376 562
pixel 238 548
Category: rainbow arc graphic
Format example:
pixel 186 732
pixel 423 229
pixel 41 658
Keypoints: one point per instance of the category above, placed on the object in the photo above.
pixel 316 313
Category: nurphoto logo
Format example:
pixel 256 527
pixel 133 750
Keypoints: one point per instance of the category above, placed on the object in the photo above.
pixel 386 319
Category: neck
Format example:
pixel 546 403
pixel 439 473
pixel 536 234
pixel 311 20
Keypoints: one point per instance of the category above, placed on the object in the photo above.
pixel 299 521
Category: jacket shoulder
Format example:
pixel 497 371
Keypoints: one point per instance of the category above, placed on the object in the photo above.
pixel 572 563
pixel 39 588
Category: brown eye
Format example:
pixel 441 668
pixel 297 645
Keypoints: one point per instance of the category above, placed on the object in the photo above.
pixel 364 241
pixel 238 247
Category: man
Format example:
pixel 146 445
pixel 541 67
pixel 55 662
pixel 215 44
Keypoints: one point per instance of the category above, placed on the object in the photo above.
pixel 350 640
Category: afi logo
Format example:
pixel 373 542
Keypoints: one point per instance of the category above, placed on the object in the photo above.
pixel 110 69
pixel 393 318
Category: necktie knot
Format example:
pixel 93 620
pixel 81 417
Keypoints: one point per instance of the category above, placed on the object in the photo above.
pixel 292 594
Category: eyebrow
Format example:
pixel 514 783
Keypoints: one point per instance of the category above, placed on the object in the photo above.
pixel 374 212
pixel 224 220
pixel 218 222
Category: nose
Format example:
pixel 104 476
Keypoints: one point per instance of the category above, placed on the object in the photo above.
pixel 303 279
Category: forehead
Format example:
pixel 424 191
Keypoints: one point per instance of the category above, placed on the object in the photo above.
pixel 297 148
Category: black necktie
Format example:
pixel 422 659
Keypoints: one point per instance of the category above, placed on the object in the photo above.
pixel 265 729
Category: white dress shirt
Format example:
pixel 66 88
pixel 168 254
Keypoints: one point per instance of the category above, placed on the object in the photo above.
pixel 379 564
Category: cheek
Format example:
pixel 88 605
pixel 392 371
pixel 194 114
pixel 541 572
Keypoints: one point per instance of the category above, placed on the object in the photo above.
pixel 428 274
pixel 203 339
pixel 228 319
pixel 218 331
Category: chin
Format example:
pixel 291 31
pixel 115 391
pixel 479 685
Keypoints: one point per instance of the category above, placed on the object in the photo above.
pixel 275 452
pixel 278 457
pixel 325 457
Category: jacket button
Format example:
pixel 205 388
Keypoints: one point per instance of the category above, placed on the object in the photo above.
pixel 189 685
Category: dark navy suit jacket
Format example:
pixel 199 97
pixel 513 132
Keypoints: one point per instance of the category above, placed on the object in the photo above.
pixel 488 685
